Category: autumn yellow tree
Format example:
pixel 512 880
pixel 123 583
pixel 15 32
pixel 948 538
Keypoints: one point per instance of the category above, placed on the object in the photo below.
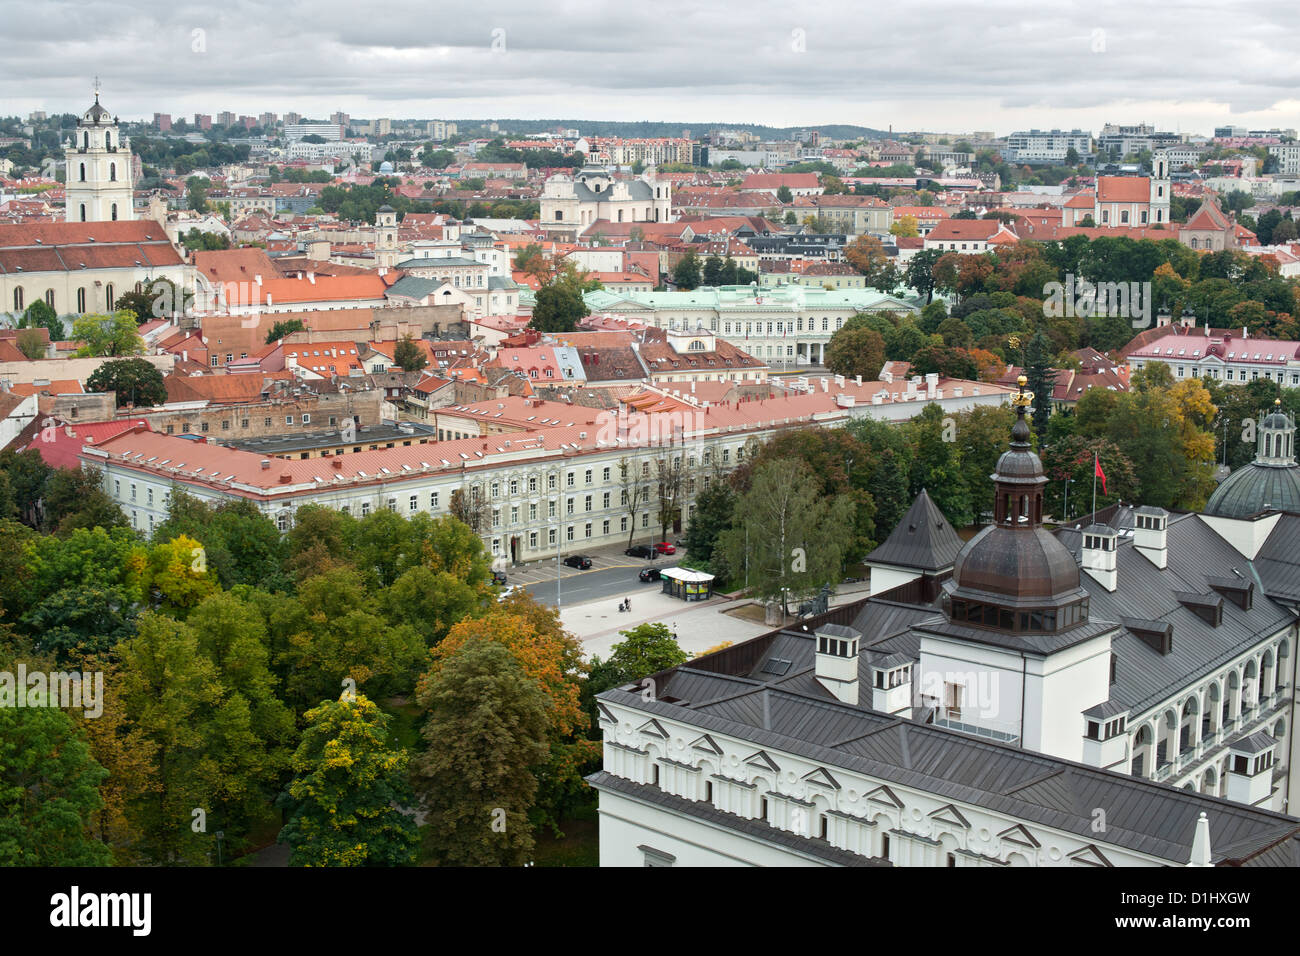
pixel 553 658
pixel 905 228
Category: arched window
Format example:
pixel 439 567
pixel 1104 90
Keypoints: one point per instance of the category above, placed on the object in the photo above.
pixel 115 212
pixel 108 297
pixel 49 298
pixel 81 300
pixel 85 141
pixel 83 212
pixel 1268 446
pixel 18 299
pixel 83 172
pixel 112 172
pixel 108 140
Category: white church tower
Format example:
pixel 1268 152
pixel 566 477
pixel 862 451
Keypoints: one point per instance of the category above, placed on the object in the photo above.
pixel 1161 188
pixel 98 164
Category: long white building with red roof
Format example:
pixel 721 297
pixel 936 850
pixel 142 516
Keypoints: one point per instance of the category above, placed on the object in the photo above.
pixel 78 267
pixel 545 470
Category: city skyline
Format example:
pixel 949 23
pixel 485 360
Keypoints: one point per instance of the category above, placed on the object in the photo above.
pixel 1062 66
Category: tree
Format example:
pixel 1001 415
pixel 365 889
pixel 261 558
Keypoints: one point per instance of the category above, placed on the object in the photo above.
pixel 108 335
pixel 558 307
pixel 41 315
pixel 283 328
pixel 645 649
pixel 468 507
pixel 349 792
pixel 48 789
pixel 1040 379
pixel 919 273
pixel 134 381
pixel 686 273
pixel 31 343
pixel 170 691
pixel 905 227
pixel 867 256
pixel 634 488
pixel 408 356
pixel 784 196
pixel 484 740
pixel 789 538
pixel 552 658
pixel 714 513
pixel 856 351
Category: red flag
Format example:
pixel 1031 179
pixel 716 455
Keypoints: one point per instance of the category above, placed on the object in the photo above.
pixel 1099 473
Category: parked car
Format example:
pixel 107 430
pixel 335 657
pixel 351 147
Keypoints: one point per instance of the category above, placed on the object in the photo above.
pixel 640 551
pixel 666 547
pixel 498 577
pixel 506 592
pixel 648 574
pixel 578 561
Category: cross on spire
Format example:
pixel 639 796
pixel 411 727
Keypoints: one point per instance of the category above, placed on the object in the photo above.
pixel 96 89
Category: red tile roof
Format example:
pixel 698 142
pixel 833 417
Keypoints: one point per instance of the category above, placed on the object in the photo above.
pixel 1123 189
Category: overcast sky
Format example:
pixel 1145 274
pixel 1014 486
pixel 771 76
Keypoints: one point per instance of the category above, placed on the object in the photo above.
pixel 953 65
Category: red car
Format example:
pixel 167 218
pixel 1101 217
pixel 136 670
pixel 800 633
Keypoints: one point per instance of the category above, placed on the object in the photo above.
pixel 666 547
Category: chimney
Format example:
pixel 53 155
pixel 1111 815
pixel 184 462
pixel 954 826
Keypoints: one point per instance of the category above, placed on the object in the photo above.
pixel 1098 554
pixel 931 382
pixel 266 464
pixel 891 689
pixel 311 277
pixel 837 661
pixel 1150 534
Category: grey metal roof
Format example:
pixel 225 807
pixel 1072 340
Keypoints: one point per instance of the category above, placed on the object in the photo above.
pixel 1143 676
pixel 1255 743
pixel 923 539
pixel 1143 816
pixel 1278 561
pixel 753 828
pixel 415 287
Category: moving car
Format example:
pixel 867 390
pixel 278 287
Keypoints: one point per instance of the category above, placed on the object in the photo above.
pixel 666 547
pixel 509 591
pixel 578 561
pixel 648 574
pixel 640 551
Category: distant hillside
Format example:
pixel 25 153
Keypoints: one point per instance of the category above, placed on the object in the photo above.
pixel 661 129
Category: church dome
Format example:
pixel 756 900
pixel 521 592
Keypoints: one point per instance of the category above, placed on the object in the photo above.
pixel 1015 575
pixel 1016 563
pixel 1269 483
pixel 1255 488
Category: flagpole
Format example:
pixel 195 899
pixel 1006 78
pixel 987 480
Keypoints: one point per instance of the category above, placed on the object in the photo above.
pixel 1095 462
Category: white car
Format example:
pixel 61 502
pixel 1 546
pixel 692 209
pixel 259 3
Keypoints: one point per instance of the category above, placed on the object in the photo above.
pixel 507 591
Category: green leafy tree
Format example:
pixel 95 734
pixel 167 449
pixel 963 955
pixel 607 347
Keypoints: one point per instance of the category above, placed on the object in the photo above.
pixel 558 307
pixel 856 351
pixel 349 794
pixel 407 355
pixel 284 327
pixel 41 315
pixel 134 382
pixel 483 744
pixel 49 790
pixel 790 539
pixel 645 649
pixel 687 272
pixel 108 335
pixel 1040 379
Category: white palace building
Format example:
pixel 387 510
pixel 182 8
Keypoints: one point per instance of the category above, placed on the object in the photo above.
pixel 1120 693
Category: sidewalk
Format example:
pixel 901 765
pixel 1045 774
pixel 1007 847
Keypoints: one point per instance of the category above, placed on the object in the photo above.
pixel 699 625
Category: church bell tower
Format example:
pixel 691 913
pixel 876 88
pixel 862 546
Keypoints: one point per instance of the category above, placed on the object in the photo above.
pixel 98 165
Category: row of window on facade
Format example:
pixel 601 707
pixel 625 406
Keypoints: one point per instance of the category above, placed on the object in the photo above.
pixel 1230 375
pixel 110 297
